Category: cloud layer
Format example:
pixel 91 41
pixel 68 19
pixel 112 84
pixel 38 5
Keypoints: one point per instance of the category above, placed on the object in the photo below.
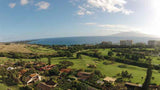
pixel 114 27
pixel 89 7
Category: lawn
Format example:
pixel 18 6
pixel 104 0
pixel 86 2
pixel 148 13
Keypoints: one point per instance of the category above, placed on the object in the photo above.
pixel 108 70
pixel 104 51
pixel 155 59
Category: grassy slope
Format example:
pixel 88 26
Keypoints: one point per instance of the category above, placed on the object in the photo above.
pixel 41 50
pixel 14 48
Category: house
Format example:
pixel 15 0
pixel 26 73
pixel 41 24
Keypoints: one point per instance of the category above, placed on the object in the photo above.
pixel 33 78
pixel 132 86
pixel 65 70
pixel 10 68
pixel 40 64
pixel 154 87
pixel 110 79
pixel 100 82
pixel 2 65
pixel 22 72
pixel 47 67
pixel 31 62
pixel 91 66
pixel 19 67
pixel 84 75
pixel 50 85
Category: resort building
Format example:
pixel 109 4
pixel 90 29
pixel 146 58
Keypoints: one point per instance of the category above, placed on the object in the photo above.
pixel 126 42
pixel 106 43
pixel 153 43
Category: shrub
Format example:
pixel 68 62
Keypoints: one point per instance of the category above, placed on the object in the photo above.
pixel 122 66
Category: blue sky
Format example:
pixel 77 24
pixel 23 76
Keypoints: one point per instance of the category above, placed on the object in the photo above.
pixel 31 19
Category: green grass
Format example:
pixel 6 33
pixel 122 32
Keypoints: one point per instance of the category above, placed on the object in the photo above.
pixel 111 70
pixel 104 51
pixel 155 60
pixel 41 50
pixel 5 87
pixel 108 70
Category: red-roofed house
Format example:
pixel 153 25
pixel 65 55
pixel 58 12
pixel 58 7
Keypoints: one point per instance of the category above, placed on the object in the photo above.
pixel 47 67
pixel 65 70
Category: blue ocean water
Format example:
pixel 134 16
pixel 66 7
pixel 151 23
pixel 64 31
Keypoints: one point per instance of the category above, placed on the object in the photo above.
pixel 86 40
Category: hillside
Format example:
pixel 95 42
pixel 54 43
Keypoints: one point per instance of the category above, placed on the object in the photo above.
pixel 132 34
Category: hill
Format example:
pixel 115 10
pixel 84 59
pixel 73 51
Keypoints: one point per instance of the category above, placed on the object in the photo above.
pixel 132 34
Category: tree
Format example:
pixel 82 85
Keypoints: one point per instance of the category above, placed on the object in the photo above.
pixel 49 60
pixel 98 72
pixel 125 75
pixel 107 84
pixel 110 53
pixel 79 56
pixel 69 54
pixel 65 64
pixel 148 76
pixel 54 71
pixel 25 88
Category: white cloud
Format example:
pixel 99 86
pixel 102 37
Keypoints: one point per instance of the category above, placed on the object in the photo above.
pixel 115 27
pixel 84 11
pixel 119 27
pixel 74 1
pixel 111 6
pixel 12 5
pixel 24 2
pixel 42 5
pixel 90 23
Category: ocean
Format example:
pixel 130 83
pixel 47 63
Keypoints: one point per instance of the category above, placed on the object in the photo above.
pixel 87 40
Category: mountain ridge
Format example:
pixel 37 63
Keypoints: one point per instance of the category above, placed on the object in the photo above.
pixel 132 34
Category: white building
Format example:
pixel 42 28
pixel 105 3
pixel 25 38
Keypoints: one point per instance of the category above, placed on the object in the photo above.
pixel 33 78
pixel 10 68
pixel 126 42
pixel 153 43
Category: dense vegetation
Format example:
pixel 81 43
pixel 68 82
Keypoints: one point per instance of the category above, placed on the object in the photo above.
pixel 129 64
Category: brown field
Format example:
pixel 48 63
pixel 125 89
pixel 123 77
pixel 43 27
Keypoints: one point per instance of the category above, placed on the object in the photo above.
pixel 25 48
pixel 21 48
